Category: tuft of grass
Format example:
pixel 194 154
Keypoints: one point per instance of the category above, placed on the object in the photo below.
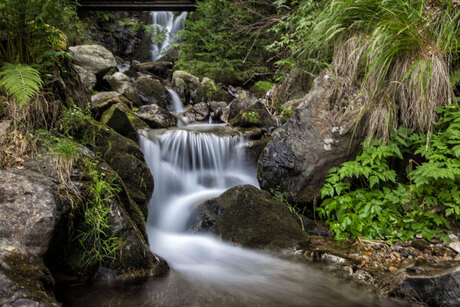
pixel 399 53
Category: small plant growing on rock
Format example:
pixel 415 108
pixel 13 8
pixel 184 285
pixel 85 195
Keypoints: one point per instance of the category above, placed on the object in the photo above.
pixel 96 239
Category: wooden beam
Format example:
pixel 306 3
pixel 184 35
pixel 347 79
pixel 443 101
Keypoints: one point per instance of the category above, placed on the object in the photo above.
pixel 136 5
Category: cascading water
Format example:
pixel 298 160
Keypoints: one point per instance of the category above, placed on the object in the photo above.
pixel 165 27
pixel 189 167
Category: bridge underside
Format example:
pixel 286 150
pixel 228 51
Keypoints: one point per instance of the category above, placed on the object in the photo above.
pixel 142 5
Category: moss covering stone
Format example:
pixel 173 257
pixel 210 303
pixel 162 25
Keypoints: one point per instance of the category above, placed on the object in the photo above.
pixel 123 155
pixel 252 218
pixel 121 119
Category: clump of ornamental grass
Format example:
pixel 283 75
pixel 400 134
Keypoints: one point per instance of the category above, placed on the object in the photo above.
pixel 398 53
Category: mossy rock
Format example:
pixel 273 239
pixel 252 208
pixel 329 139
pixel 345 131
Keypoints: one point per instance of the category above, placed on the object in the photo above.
pixel 121 119
pixel 123 155
pixel 250 217
pixel 255 116
pixel 152 91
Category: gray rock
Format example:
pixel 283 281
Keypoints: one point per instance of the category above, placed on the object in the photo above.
pixel 243 101
pixel 196 113
pixel 29 212
pixel 98 100
pixel 156 116
pixel 13 294
pixel 152 91
pixel 87 78
pixel 435 286
pixel 118 82
pixel 318 136
pixel 93 58
pixel 294 86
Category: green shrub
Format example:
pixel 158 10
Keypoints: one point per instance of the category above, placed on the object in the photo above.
pixel 225 40
pixel 367 197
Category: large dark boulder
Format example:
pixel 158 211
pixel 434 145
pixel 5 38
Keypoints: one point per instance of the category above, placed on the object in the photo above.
pixel 250 217
pixel 319 135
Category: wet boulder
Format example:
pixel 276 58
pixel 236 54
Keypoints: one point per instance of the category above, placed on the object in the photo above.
pixel 319 135
pixel 219 111
pixel 198 112
pixel 152 91
pixel 122 119
pixel 243 101
pixel 93 58
pixel 156 116
pixel 248 216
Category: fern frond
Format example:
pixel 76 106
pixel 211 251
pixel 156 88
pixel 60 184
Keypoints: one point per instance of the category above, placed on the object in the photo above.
pixel 20 81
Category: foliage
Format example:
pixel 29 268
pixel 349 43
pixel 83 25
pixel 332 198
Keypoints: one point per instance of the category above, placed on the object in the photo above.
pixel 225 40
pixel 96 239
pixel 292 31
pixel 20 81
pixel 32 27
pixel 367 197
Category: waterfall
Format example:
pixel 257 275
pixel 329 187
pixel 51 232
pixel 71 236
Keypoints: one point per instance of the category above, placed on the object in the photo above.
pixel 176 103
pixel 165 27
pixel 189 166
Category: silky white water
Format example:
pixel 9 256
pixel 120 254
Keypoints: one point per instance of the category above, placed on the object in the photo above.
pixel 165 27
pixel 191 166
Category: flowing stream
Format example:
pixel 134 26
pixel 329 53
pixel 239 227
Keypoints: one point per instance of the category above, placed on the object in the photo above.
pixel 192 164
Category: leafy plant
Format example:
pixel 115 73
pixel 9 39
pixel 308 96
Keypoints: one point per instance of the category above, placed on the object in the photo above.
pixel 21 81
pixel 367 197
pixel 251 117
pixel 96 239
pixel 283 197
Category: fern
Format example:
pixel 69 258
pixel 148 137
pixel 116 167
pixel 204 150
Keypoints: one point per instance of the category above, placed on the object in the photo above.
pixel 368 197
pixel 20 81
